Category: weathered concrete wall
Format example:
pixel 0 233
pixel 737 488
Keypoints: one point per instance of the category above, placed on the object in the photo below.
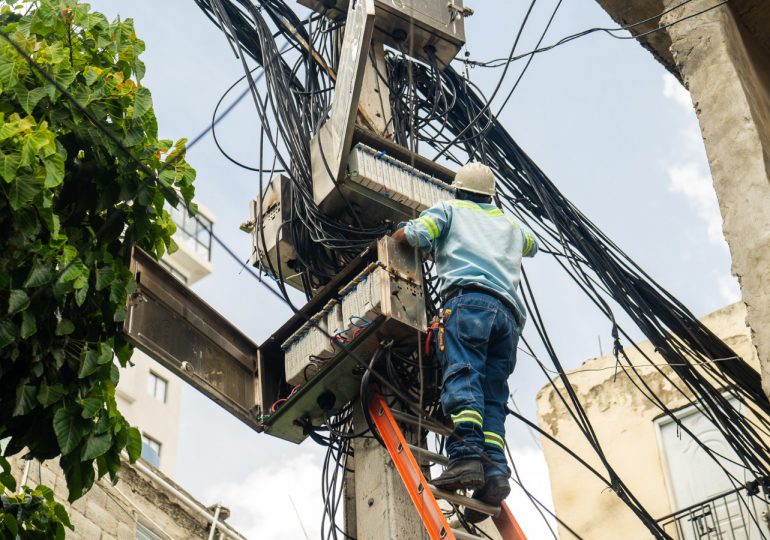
pixel 110 512
pixel 624 421
pixel 727 70
pixel 723 58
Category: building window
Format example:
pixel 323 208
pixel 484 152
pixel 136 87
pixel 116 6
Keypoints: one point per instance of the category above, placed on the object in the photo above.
pixel 192 231
pixel 151 450
pixel 157 387
pixel 145 533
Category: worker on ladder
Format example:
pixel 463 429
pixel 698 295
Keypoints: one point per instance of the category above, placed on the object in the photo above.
pixel 478 251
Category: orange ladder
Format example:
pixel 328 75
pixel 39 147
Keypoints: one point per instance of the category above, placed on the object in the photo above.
pixel 423 495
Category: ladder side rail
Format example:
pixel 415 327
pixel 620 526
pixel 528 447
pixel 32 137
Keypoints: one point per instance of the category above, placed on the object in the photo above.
pixel 407 467
pixel 507 525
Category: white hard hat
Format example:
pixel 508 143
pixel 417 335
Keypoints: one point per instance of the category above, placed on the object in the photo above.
pixel 476 178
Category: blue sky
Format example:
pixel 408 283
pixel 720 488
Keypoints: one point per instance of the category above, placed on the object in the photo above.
pixel 612 129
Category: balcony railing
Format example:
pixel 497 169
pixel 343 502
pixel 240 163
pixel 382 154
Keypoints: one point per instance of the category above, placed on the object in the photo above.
pixel 193 232
pixel 733 515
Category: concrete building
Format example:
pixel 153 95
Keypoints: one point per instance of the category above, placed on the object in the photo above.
pixel 149 395
pixel 722 56
pixel 661 465
pixel 144 505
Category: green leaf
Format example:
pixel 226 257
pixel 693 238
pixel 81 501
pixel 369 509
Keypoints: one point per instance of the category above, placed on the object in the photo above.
pixel 28 324
pixel 8 333
pixel 39 275
pixel 46 492
pixel 17 301
pixel 48 395
pixel 24 188
pixel 64 327
pixel 11 524
pixel 69 428
pixel 142 102
pixel 29 98
pixel 90 74
pixel 89 364
pixel 96 445
pixel 9 68
pixel 7 480
pixel 61 514
pixel 134 444
pixel 114 374
pixel 54 170
pixel 9 164
pixel 25 399
pixel 104 277
pixel 105 354
pixel 91 407
pixel 81 294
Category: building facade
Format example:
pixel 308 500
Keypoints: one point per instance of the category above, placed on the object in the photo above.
pixel 662 465
pixel 144 505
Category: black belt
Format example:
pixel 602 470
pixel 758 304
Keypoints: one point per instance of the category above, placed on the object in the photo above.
pixel 465 289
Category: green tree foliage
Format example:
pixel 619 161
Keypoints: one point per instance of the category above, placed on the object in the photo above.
pixel 72 203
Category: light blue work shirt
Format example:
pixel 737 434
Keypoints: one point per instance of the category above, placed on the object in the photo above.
pixel 475 244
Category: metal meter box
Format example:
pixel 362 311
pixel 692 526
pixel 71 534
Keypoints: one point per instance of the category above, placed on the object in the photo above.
pixel 412 26
pixel 384 301
pixel 382 187
pixel 270 235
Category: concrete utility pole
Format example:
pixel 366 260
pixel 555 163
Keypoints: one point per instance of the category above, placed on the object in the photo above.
pixel 377 502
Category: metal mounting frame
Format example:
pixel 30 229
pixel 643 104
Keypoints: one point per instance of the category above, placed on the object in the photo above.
pixel 178 329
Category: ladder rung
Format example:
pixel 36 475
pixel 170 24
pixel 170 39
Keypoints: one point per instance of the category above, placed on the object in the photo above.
pixel 432 456
pixel 464 535
pixel 425 424
pixel 467 502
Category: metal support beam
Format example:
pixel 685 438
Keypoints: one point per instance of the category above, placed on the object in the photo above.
pixel 375 94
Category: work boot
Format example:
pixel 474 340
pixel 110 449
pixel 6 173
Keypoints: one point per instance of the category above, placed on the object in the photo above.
pixel 494 492
pixel 463 474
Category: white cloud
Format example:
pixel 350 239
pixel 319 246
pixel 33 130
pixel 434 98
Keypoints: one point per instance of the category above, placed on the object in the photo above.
pixel 729 289
pixel 533 471
pixel 674 90
pixel 690 179
pixel 263 503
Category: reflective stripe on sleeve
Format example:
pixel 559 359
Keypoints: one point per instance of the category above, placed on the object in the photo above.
pixel 430 225
pixel 528 243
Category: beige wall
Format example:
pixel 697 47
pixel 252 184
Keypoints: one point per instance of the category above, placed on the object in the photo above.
pixel 110 512
pixel 157 419
pixel 624 421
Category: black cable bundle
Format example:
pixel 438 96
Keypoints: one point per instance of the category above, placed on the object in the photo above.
pixel 291 109
pixel 446 112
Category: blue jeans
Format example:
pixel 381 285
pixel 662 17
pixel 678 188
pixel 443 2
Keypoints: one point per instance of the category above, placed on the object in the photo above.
pixel 480 338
